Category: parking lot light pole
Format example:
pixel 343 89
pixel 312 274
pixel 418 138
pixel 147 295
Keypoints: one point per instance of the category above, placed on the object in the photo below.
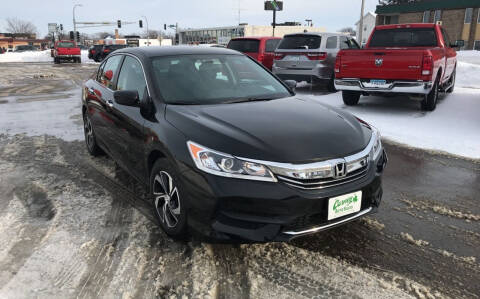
pixel 360 34
pixel 75 23
pixel 148 34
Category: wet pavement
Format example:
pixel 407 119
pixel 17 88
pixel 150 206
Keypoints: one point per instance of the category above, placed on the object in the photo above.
pixel 73 226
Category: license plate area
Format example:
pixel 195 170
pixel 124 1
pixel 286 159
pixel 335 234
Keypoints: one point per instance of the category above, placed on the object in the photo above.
pixel 343 205
pixel 374 83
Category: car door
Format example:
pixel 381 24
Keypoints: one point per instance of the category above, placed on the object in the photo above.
pixel 128 122
pixel 103 90
pixel 450 55
pixel 270 46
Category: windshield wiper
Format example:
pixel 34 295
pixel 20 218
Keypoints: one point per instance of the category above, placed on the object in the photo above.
pixel 243 100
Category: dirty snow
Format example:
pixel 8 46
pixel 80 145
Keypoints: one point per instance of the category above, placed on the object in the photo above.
pixel 454 127
pixel 36 56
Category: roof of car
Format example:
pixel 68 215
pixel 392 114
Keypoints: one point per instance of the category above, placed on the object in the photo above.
pixel 318 33
pixel 156 51
pixel 256 37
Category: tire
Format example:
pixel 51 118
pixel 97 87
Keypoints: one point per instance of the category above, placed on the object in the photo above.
pixel 90 139
pixel 429 103
pixel 350 98
pixel 169 206
pixel 452 80
pixel 331 85
pixel 56 60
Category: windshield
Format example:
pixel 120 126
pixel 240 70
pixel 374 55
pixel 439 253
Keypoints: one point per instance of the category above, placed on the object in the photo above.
pixel 214 79
pixel 303 41
pixel 404 37
pixel 244 45
pixel 65 45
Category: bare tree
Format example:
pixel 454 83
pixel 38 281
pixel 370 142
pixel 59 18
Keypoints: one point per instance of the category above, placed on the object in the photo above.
pixel 348 30
pixel 15 25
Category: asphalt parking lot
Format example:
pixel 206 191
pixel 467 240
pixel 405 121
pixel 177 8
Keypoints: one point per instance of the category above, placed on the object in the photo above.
pixel 76 226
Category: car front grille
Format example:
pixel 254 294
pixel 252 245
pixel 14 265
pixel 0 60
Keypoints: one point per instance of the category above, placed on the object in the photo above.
pixel 325 182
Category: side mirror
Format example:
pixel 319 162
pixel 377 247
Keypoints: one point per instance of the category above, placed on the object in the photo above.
pixel 458 44
pixel 126 97
pixel 292 84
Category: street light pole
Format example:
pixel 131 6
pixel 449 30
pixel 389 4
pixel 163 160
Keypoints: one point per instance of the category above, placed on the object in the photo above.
pixel 360 34
pixel 75 23
pixel 148 34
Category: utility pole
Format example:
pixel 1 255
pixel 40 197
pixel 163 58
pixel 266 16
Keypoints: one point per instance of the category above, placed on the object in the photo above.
pixel 75 23
pixel 360 34
pixel 148 34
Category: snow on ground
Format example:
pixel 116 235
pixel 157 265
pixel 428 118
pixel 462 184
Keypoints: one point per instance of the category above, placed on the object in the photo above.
pixel 454 127
pixel 36 56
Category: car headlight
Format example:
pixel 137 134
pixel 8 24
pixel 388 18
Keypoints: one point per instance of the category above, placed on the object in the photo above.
pixel 226 165
pixel 377 144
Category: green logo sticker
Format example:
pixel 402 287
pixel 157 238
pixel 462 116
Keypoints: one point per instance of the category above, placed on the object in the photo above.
pixel 345 204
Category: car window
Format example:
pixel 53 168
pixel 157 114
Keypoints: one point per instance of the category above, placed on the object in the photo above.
pixel 100 72
pixel 331 42
pixel 110 70
pixel 66 45
pixel 244 45
pixel 213 79
pixel 446 38
pixel 271 45
pixel 131 76
pixel 300 41
pixel 348 43
pixel 404 37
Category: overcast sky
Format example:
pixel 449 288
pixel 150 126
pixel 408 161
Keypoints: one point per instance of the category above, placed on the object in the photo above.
pixel 332 14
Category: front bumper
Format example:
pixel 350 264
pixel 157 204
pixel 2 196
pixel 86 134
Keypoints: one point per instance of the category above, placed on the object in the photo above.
pixel 234 209
pixel 406 87
pixel 68 56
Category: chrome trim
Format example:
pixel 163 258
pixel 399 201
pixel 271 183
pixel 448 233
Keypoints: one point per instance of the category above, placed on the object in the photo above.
pixel 285 169
pixel 323 185
pixel 417 87
pixel 319 228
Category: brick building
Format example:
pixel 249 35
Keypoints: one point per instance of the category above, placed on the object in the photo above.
pixel 10 40
pixel 460 18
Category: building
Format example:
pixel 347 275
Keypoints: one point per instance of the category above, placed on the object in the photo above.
pixel 10 40
pixel 369 21
pixel 222 35
pixel 460 18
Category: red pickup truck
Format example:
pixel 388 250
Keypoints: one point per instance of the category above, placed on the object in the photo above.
pixel 417 60
pixel 66 50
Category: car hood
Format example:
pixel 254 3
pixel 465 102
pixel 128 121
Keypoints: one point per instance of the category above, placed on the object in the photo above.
pixel 289 130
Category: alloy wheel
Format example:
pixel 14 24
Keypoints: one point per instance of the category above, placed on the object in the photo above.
pixel 167 199
pixel 87 127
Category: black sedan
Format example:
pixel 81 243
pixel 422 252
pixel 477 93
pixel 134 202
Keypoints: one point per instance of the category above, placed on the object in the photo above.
pixel 226 148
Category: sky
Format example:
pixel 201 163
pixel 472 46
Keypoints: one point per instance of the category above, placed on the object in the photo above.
pixel 332 14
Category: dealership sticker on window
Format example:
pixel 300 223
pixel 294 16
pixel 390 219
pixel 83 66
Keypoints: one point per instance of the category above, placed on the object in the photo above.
pixel 345 204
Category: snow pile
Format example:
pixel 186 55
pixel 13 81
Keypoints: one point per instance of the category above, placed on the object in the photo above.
pixel 469 56
pixel 36 56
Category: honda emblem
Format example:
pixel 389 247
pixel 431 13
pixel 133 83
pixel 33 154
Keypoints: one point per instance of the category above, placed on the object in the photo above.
pixel 340 170
pixel 378 61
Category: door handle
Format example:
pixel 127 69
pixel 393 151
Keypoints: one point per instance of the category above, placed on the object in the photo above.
pixel 109 103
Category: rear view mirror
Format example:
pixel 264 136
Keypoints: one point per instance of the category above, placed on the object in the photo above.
pixel 126 97
pixel 458 44
pixel 292 84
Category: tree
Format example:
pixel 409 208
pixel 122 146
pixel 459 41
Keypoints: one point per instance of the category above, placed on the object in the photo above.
pixel 348 30
pixel 15 25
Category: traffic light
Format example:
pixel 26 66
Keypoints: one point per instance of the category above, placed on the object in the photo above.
pixel 61 27
pixel 71 35
pixel 140 23
pixel 164 26
pixel 119 24
pixel 78 36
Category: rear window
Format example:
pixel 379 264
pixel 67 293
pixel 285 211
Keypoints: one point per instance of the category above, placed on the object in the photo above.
pixel 244 45
pixel 271 45
pixel 404 37
pixel 66 45
pixel 302 41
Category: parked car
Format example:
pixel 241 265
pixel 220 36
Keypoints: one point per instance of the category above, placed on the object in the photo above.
pixel 25 48
pixel 417 60
pixel 226 149
pixel 259 48
pixel 107 49
pixel 310 57
pixel 94 51
pixel 66 50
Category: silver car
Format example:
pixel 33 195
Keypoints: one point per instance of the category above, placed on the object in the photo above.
pixel 310 57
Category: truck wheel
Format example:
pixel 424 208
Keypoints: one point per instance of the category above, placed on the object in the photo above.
pixel 429 103
pixel 350 98
pixel 331 84
pixel 55 60
pixel 452 81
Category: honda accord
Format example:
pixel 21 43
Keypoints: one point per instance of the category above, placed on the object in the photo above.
pixel 226 149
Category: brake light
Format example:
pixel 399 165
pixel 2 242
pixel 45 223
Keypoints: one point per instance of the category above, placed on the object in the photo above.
pixel 93 51
pixel 279 56
pixel 338 64
pixel 106 51
pixel 427 66
pixel 317 56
